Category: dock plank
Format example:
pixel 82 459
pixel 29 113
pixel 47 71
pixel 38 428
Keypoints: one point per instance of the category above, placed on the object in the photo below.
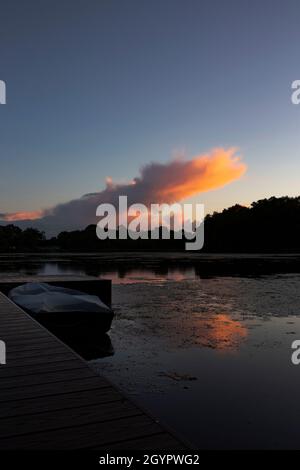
pixel 85 436
pixel 52 420
pixel 39 369
pixel 49 377
pixel 32 406
pixel 53 388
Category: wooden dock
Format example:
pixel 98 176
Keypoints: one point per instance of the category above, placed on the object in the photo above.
pixel 51 399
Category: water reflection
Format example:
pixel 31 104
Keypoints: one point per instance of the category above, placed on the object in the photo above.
pixel 93 348
pixel 118 275
pixel 152 267
pixel 220 332
pixel 134 276
pixel 90 347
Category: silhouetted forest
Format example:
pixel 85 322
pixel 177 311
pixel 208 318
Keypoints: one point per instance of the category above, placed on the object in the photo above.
pixel 268 225
pixel 13 238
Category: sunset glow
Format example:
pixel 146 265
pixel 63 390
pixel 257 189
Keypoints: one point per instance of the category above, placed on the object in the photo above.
pixel 203 173
pixel 220 332
pixel 157 183
pixel 16 216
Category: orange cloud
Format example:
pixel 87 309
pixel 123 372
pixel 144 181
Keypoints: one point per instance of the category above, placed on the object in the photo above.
pixel 158 183
pixel 202 173
pixel 15 216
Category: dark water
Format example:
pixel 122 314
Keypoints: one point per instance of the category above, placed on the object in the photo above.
pixel 211 357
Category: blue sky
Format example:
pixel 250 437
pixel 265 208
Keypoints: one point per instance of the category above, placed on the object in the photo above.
pixel 99 88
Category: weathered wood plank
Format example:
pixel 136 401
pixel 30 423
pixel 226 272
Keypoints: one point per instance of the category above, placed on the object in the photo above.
pixel 54 388
pixel 57 357
pixel 39 369
pixel 46 344
pixel 47 350
pixel 16 337
pixel 48 377
pixel 85 436
pixel 48 421
pixel 59 402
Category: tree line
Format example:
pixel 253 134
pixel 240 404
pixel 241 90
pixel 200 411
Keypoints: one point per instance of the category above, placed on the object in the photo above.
pixel 267 225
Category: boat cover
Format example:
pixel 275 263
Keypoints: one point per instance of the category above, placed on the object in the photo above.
pixel 40 297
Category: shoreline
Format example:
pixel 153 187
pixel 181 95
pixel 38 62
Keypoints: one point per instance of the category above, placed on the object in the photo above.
pixel 202 264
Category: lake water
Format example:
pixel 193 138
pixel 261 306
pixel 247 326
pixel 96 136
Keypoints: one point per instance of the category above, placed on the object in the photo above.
pixel 209 356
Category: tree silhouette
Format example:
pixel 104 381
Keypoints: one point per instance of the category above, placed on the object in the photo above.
pixel 268 225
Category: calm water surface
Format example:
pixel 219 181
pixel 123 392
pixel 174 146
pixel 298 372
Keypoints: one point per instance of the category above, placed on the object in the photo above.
pixel 211 357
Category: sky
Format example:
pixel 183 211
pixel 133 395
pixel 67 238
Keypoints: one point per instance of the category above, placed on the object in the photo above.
pixel 103 88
